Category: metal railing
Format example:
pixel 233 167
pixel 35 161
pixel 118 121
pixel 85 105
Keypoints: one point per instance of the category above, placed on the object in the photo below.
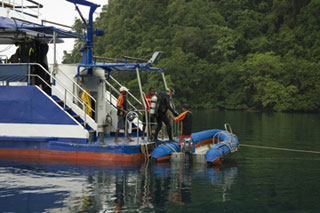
pixel 175 126
pixel 112 88
pixel 63 86
pixel 79 87
pixel 64 94
pixel 129 93
pixel 21 7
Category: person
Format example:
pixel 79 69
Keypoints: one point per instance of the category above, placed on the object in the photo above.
pixel 122 112
pixel 41 50
pixel 161 115
pixel 147 101
pixel 186 127
pixel 15 57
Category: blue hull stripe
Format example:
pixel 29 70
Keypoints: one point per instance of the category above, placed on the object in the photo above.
pixel 27 104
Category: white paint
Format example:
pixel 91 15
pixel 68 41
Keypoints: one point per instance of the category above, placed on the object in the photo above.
pixel 42 130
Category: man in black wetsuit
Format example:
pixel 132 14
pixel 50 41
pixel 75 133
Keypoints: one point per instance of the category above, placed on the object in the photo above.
pixel 161 115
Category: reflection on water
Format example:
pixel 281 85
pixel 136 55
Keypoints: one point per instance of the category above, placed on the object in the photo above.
pixel 254 180
pixel 35 187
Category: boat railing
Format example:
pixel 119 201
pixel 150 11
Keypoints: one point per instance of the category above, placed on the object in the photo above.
pixel 117 92
pixel 74 83
pixel 129 93
pixel 63 86
pixel 27 7
pixel 112 100
pixel 66 94
pixel 175 126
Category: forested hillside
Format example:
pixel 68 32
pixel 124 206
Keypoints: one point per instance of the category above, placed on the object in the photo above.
pixel 226 54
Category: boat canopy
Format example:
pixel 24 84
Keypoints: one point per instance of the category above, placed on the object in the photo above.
pixel 13 30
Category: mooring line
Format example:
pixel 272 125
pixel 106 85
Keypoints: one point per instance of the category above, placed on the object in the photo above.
pixel 282 149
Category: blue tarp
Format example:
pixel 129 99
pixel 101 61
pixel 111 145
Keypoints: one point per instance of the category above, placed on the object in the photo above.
pixel 13 73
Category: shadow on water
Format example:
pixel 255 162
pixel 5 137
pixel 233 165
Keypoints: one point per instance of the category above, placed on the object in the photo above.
pixel 39 187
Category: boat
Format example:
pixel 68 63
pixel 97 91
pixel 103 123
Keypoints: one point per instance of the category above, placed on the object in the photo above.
pixel 210 146
pixel 67 112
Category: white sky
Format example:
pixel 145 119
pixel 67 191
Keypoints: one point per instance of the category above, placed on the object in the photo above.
pixel 63 12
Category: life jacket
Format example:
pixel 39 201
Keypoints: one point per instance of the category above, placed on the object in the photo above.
pixel 85 97
pixel 121 102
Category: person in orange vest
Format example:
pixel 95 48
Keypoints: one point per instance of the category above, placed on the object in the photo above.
pixel 186 123
pixel 147 101
pixel 122 112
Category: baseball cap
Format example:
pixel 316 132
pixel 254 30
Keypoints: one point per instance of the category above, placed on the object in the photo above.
pixel 123 89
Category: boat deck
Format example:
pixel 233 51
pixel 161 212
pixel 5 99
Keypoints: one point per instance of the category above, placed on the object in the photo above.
pixel 109 141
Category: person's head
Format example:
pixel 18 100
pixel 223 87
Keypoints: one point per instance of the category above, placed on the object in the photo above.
pixel 170 91
pixel 123 90
pixel 185 107
pixel 151 91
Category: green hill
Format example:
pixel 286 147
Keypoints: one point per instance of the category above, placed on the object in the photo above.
pixel 226 54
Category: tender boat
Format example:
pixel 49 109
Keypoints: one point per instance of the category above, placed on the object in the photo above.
pixel 211 146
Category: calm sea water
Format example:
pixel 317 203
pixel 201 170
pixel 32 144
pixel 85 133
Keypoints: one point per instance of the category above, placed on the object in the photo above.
pixel 253 180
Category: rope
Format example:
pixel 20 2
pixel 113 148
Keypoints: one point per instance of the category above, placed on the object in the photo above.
pixel 170 147
pixel 282 149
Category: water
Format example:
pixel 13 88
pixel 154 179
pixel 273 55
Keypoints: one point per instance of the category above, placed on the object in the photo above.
pixel 253 180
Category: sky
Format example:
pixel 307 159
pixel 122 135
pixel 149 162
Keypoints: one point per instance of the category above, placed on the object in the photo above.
pixel 63 12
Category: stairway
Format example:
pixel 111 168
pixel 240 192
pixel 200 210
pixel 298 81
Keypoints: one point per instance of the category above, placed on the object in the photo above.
pixel 72 113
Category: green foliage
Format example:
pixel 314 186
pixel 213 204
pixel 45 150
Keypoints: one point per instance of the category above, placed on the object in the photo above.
pixel 235 54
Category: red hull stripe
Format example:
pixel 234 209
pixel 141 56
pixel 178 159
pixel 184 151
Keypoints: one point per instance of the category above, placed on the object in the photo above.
pixel 71 156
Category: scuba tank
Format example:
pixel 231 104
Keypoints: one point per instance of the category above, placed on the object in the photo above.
pixel 154 105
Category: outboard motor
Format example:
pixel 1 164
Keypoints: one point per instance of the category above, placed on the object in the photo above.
pixel 188 148
pixel 131 116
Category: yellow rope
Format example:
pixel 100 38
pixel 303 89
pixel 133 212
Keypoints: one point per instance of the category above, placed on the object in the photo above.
pixel 282 149
pixel 170 147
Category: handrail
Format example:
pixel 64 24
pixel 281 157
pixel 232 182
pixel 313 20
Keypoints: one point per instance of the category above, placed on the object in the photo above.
pixel 78 86
pixel 14 5
pixel 128 91
pixel 65 97
pixel 115 90
pixel 53 77
pixel 64 87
